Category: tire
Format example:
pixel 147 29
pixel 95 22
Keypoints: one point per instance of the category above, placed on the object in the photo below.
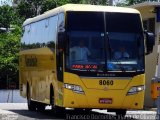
pixel 40 107
pixel 79 109
pixel 87 110
pixel 31 104
pixel 58 111
pixel 121 113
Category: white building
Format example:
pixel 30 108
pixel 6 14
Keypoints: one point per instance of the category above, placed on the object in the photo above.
pixel 150 12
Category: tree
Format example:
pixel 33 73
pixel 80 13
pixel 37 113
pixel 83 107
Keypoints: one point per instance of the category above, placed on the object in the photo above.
pixel 132 2
pixel 9 45
pixel 96 2
pixel 48 5
pixel 30 8
pixel 6 16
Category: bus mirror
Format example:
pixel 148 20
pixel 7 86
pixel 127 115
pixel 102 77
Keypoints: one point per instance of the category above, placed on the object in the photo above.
pixel 150 42
pixel 61 39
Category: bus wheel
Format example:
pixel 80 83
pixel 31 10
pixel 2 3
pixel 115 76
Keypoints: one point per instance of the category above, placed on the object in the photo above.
pixel 87 110
pixel 58 111
pixel 41 107
pixel 79 110
pixel 31 104
pixel 121 113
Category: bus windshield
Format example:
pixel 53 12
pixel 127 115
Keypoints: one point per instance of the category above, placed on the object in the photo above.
pixel 104 42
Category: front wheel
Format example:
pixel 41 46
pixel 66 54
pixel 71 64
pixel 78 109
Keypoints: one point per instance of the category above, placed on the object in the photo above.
pixel 81 110
pixel 121 113
pixel 58 111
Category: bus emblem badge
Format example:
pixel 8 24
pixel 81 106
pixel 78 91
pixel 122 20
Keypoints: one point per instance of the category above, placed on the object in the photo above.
pixel 105 88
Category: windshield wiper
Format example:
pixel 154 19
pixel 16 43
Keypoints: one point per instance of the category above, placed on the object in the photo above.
pixel 109 45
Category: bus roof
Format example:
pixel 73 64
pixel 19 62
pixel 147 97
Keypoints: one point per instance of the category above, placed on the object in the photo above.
pixel 80 7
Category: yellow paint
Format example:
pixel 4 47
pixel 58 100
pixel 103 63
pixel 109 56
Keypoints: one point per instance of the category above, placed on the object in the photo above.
pixel 44 73
pixel 91 97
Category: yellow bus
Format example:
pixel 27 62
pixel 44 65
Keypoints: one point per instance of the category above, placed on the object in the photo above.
pixel 84 57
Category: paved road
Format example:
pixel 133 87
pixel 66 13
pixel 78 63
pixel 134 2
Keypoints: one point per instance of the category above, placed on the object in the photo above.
pixel 19 111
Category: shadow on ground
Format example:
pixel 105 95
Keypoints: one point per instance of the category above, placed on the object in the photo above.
pixel 69 115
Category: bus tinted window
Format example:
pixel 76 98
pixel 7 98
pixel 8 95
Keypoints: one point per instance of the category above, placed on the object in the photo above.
pixel 86 21
pixel 100 42
pixel 123 22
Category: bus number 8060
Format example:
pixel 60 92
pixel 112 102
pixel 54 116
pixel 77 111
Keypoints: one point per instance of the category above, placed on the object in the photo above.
pixel 106 82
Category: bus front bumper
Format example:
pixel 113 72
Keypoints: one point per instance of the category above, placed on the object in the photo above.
pixel 91 99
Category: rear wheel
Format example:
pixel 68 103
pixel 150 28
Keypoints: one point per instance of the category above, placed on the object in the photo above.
pixel 31 104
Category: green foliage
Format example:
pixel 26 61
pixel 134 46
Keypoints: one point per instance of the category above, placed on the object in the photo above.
pixel 24 10
pixel 6 16
pixel 10 41
pixel 48 5
pixel 30 8
pixel 132 2
pixel 9 45
pixel 96 2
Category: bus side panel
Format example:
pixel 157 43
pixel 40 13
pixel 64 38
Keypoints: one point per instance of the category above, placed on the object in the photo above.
pixel 22 76
pixel 45 70
pixel 38 70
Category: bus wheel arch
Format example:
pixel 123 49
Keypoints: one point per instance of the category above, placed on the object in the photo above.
pixel 121 112
pixel 56 109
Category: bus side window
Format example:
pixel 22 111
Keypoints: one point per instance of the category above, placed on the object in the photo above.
pixel 52 31
pixel 26 37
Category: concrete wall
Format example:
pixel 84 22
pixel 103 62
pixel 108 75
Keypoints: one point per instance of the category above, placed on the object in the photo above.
pixel 11 96
pixel 151 59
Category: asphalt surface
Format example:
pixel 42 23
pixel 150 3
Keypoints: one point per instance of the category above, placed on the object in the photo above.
pixel 19 111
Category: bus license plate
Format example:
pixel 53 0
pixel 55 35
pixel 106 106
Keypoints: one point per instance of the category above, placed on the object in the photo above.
pixel 105 100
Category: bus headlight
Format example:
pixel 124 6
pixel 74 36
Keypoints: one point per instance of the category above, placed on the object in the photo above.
pixel 74 88
pixel 135 89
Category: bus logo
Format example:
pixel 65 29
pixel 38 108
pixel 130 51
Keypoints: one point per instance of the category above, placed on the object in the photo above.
pixel 31 61
pixel 105 88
